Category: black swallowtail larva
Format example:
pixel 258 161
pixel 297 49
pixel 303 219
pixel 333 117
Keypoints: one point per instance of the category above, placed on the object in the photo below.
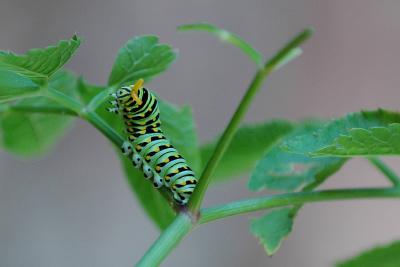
pixel 146 144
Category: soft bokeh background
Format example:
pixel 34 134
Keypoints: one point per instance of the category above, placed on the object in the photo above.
pixel 74 208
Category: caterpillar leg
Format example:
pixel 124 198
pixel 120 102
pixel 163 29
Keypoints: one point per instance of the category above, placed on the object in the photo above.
pixel 114 103
pixel 158 181
pixel 126 148
pixel 148 173
pixel 137 160
pixel 114 108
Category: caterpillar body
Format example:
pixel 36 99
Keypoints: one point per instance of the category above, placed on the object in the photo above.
pixel 146 144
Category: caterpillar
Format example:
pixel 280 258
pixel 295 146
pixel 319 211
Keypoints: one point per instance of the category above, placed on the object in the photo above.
pixel 146 144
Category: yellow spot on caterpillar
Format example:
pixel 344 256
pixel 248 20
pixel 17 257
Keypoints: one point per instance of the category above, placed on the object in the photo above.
pixel 138 147
pixel 148 157
pixel 166 160
pixel 158 168
pixel 157 149
pixel 175 171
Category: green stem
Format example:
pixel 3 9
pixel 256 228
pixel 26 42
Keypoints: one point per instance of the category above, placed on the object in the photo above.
pixel 386 170
pixel 167 241
pixel 268 202
pixel 98 99
pixel 230 130
pixel 225 140
pixel 42 109
pixel 182 225
pixel 64 100
pixel 309 188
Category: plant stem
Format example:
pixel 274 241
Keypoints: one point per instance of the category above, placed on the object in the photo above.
pixel 167 241
pixel 182 225
pixel 64 100
pixel 268 202
pixel 230 130
pixel 42 109
pixel 309 188
pixel 386 170
pixel 225 140
pixel 98 99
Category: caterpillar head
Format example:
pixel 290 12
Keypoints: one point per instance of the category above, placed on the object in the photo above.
pixel 130 94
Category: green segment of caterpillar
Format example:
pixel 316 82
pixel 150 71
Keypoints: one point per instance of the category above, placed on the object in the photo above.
pixel 146 144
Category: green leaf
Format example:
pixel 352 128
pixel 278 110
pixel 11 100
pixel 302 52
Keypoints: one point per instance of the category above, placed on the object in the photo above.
pixel 383 256
pixel 228 37
pixel 141 57
pixel 28 134
pixel 373 141
pixel 248 145
pixel 287 171
pixel 282 170
pixel 13 85
pixel 38 64
pixel 272 228
pixel 283 220
pixel 357 134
